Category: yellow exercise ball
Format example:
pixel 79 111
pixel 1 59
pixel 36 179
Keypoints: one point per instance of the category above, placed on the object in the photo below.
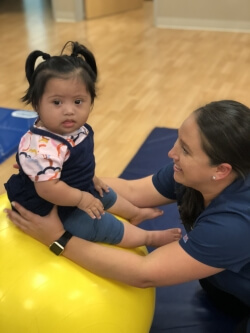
pixel 40 292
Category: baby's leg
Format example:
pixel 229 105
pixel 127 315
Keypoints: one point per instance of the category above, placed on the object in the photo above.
pixel 135 215
pixel 134 236
pixel 108 229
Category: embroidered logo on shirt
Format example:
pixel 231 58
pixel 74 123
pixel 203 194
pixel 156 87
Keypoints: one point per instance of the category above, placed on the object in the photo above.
pixel 185 238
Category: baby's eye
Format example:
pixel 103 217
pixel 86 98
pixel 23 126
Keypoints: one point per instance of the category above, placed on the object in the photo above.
pixel 56 102
pixel 78 101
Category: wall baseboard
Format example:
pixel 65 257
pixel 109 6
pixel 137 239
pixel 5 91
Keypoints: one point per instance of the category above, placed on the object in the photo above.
pixel 197 24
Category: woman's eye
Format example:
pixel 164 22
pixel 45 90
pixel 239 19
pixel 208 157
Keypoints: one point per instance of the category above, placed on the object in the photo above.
pixel 184 150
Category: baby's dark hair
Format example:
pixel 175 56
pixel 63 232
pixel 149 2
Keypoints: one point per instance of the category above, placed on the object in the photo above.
pixel 81 62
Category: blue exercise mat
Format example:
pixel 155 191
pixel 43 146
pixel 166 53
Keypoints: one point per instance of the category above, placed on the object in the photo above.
pixel 184 308
pixel 13 124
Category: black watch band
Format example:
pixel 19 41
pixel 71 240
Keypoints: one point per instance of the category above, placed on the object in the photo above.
pixel 58 246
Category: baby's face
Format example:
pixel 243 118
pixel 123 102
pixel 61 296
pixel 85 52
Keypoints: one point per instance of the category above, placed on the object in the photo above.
pixel 65 105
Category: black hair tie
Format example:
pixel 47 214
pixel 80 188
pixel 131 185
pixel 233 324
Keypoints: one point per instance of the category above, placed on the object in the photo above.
pixel 46 56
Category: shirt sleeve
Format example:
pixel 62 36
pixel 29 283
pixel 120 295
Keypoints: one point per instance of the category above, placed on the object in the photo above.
pixel 219 241
pixel 42 158
pixel 164 182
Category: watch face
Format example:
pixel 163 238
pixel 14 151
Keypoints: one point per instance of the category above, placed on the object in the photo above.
pixel 56 248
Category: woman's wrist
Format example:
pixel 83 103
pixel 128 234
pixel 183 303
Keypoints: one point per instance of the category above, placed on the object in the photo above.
pixel 58 246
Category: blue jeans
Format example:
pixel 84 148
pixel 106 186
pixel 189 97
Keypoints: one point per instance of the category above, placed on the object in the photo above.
pixel 106 230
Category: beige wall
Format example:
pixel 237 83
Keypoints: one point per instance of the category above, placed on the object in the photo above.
pixel 68 10
pixel 231 15
pixel 77 10
pixel 98 8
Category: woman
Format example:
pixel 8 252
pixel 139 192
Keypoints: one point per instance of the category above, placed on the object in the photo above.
pixel 210 181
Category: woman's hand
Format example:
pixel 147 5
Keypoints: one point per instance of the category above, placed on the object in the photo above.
pixel 45 229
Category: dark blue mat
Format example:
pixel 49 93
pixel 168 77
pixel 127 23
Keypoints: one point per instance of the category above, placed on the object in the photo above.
pixel 13 124
pixel 183 308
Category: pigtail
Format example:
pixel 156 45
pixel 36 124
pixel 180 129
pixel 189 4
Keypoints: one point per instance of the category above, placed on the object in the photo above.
pixel 30 63
pixel 88 56
pixel 80 50
pixel 29 71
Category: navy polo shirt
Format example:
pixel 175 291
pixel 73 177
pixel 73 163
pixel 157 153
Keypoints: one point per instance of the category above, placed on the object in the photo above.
pixel 221 234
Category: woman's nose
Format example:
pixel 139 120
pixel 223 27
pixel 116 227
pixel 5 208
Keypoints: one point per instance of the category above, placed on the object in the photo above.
pixel 170 153
pixel 173 152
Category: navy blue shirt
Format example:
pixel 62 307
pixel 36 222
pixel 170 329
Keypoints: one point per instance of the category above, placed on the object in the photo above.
pixel 78 172
pixel 221 234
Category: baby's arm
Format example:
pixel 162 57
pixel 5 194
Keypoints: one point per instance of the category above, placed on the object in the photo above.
pixel 100 186
pixel 60 194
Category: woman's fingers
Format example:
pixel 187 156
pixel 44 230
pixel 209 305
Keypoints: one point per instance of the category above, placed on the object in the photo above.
pixel 45 229
pixel 17 219
pixel 25 214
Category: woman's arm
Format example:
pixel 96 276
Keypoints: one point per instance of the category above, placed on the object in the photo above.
pixel 167 265
pixel 140 192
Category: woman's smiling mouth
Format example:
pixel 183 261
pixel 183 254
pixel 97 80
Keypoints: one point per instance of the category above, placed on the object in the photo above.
pixel 176 168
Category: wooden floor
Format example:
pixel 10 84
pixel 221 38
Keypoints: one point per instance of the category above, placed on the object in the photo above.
pixel 148 77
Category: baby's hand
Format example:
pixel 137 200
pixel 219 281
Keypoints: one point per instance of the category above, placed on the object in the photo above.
pixel 100 186
pixel 91 205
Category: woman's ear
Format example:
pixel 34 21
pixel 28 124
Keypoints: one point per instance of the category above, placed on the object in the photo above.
pixel 223 170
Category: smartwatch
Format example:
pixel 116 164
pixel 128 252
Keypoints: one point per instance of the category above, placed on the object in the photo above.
pixel 58 246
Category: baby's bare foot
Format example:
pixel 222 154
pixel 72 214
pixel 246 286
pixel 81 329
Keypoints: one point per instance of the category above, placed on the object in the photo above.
pixel 163 237
pixel 146 214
